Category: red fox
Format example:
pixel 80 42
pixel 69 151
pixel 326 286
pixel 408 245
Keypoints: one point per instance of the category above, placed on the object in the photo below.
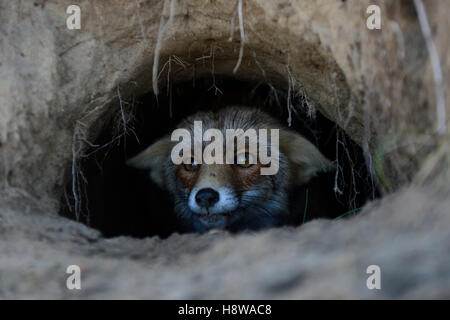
pixel 233 196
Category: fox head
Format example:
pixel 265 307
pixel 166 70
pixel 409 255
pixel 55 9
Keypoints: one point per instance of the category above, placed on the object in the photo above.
pixel 233 196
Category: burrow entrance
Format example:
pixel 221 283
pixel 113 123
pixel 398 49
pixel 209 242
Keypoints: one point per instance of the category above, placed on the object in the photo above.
pixel 118 200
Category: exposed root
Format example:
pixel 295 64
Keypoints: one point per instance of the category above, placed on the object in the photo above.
pixel 163 25
pixel 290 89
pixel 76 171
pixel 369 165
pixel 238 11
pixel 441 125
pixel 175 61
pixel 232 22
pixel 80 142
pixel 122 112
pixel 339 171
pixel 273 91
pixel 214 86
pixel 180 62
pixel 306 103
pixel 169 86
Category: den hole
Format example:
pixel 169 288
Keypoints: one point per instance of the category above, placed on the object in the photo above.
pixel 119 200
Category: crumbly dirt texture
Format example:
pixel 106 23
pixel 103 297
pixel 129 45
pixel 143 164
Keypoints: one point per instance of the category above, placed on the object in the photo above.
pixel 58 87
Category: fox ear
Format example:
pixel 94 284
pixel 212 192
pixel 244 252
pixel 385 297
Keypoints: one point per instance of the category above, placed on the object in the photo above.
pixel 153 158
pixel 305 159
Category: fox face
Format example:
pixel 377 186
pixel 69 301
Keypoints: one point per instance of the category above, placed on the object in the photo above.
pixel 232 195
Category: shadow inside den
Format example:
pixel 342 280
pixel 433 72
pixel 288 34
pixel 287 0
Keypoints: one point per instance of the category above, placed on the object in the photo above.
pixel 119 200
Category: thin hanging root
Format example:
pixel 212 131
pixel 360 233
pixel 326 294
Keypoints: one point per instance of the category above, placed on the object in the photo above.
pixel 161 31
pixel 291 85
pixel 79 181
pixel 156 55
pixel 80 141
pixel 352 200
pixel 336 188
pixel 289 120
pixel 169 86
pixel 232 22
pixel 441 126
pixel 169 71
pixel 75 172
pixel 310 108
pixel 214 86
pixel 241 29
pixel 263 72
pixel 122 112
pixel 180 62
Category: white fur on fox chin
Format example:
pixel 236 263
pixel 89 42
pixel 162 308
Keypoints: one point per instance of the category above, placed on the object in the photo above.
pixel 227 201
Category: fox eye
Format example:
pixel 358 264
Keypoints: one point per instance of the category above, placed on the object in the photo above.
pixel 245 160
pixel 192 166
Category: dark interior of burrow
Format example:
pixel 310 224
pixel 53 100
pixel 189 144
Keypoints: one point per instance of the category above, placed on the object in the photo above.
pixel 120 200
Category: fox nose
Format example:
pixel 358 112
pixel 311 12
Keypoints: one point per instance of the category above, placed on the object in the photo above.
pixel 206 197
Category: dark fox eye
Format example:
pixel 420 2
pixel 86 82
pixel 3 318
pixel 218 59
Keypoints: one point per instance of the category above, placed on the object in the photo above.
pixel 245 160
pixel 192 166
